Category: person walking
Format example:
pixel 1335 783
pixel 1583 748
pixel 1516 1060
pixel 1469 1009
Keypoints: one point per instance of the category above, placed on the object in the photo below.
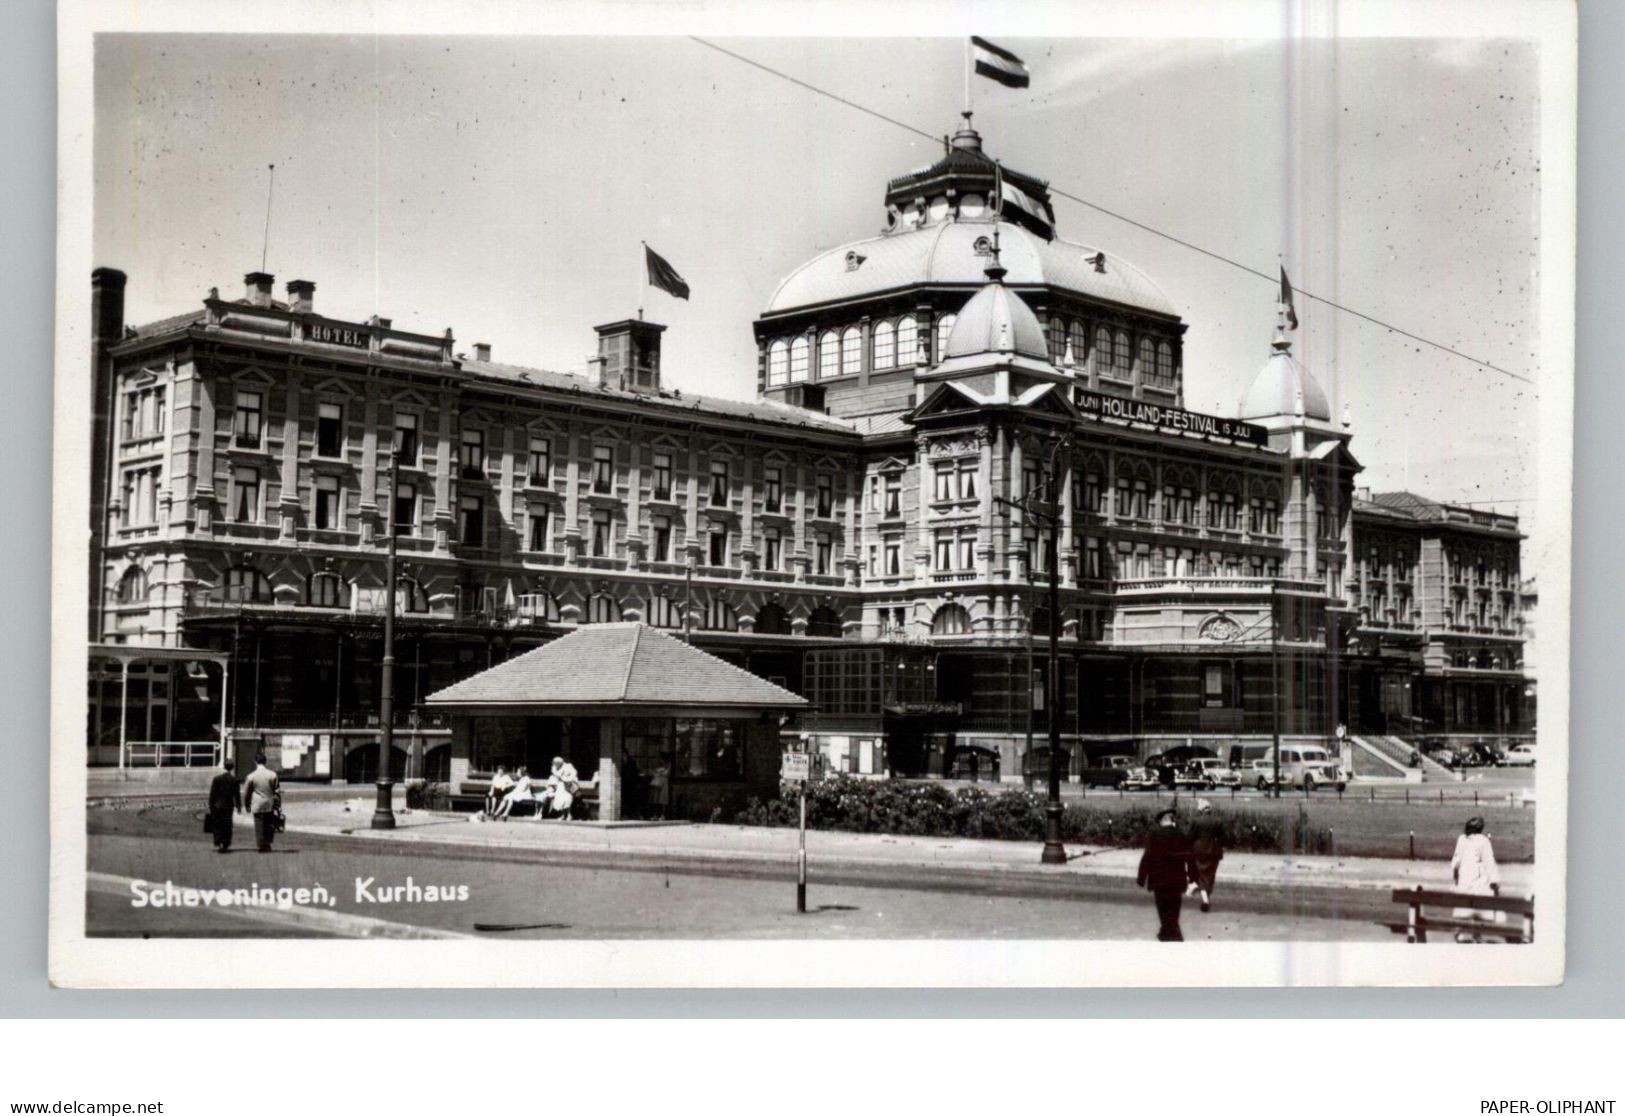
pixel 1475 872
pixel 1207 849
pixel 225 799
pixel 1166 870
pixel 264 794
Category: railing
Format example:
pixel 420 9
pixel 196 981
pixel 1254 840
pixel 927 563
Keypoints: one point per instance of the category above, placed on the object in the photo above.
pixel 171 753
pixel 1221 583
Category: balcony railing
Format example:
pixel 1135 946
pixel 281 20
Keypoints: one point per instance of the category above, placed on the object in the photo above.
pixel 1212 584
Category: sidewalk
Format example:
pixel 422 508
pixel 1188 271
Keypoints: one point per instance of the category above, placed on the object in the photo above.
pixel 656 843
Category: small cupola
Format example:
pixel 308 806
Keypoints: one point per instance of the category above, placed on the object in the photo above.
pixel 996 320
pixel 629 355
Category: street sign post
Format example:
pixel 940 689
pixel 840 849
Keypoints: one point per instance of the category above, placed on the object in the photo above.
pixel 797 768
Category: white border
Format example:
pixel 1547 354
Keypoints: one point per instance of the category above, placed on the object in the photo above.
pixel 80 962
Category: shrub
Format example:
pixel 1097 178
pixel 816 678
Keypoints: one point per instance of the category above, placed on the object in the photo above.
pixel 932 810
pixel 423 795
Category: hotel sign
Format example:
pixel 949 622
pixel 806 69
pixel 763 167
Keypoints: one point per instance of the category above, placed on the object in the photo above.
pixel 329 334
pixel 1170 419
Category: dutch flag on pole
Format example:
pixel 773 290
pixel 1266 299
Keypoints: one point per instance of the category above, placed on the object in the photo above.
pixel 999 64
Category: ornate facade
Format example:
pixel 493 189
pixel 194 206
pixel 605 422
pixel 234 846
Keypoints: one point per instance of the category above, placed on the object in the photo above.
pixel 855 533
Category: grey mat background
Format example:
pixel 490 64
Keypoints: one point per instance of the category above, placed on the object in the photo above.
pixel 1596 963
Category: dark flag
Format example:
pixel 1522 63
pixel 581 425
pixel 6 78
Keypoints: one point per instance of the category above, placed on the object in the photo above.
pixel 1286 299
pixel 999 64
pixel 663 275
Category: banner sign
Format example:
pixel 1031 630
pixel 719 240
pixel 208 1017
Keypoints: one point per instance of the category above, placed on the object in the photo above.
pixel 1170 419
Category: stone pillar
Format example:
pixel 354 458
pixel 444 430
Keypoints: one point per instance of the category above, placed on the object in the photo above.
pixel 609 769
pixel 984 540
pixel 444 516
pixel 367 507
pixel 1066 544
pixel 508 522
pixel 1017 519
pixel 289 503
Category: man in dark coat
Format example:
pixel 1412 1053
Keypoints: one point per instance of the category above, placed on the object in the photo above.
pixel 225 799
pixel 1166 868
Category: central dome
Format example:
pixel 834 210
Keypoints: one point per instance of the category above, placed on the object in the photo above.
pixel 954 253
pixel 996 320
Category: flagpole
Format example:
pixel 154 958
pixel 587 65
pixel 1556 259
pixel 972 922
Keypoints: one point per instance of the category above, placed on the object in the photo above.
pixel 643 277
pixel 967 79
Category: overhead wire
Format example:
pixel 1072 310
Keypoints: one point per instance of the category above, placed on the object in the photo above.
pixel 1170 237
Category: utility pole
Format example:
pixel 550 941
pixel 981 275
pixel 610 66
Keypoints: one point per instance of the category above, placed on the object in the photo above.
pixel 1048 510
pixel 383 815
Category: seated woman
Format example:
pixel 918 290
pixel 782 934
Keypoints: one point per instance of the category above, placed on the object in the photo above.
pixel 560 792
pixel 501 784
pixel 520 790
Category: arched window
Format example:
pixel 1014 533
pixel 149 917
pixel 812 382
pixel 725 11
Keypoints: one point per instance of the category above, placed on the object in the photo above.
pixel 908 341
pixel 410 597
pixel 851 351
pixel 1078 337
pixel 602 609
pixel 539 608
pixel 1056 338
pixel 829 355
pixel 1040 621
pixel 1165 364
pixel 771 619
pixel 327 590
pixel 800 355
pixel 1148 359
pixel 1103 353
pixel 778 363
pixel 1121 357
pixel 885 345
pixel 951 619
pixel 132 587
pixel 664 613
pixel 945 326
pixel 824 621
pixel 247 585
pixel 719 616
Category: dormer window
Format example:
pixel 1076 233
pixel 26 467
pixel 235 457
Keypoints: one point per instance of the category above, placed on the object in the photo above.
pixel 854 261
pixel 983 246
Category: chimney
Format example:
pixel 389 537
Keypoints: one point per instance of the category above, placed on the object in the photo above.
pixel 482 352
pixel 259 288
pixel 106 306
pixel 301 296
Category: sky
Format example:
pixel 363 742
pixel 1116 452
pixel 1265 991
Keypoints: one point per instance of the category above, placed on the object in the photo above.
pixel 501 186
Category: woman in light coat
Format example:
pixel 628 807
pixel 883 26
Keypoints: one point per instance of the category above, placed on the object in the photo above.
pixel 1475 872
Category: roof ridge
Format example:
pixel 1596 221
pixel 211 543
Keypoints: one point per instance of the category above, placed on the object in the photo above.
pixel 631 660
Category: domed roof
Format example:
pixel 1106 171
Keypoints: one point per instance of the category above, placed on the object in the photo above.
pixel 945 253
pixel 1285 387
pixel 996 320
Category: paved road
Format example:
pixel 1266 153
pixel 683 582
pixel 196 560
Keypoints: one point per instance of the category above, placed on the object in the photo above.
pixel 159 844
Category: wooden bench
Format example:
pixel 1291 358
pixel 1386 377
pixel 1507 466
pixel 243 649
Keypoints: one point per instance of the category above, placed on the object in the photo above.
pixel 471 794
pixel 1519 926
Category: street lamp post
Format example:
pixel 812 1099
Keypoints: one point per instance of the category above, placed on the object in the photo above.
pixel 1275 689
pixel 383 815
pixel 1049 510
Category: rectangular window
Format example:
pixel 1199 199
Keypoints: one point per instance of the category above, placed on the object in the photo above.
pixel 127 424
pixel 1030 482
pixel 874 493
pixel 772 490
pixel 719 484
pixel 662 476
pixel 719 548
pixel 406 440
pixel 894 495
pixel 406 509
pixel 1142 500
pixel 245 503
pixel 327 504
pixel 1125 498
pixel 874 560
pixel 538 528
pixel 967 479
pixel 245 426
pixel 1091 559
pixel 660 548
pixel 603 469
pixel 329 430
pixel 967 552
pixel 472 531
pixel 600 534
pixel 540 466
pixel 823 555
pixel 772 549
pixel 1214 685
pixel 943 483
pixel 944 550
pixel 894 559
pixel 826 495
pixel 473 453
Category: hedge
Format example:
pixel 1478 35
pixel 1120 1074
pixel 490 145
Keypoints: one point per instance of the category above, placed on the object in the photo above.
pixel 933 810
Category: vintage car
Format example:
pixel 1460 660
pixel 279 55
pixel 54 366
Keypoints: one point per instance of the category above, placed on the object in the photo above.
pixel 1208 773
pixel 1520 755
pixel 1141 778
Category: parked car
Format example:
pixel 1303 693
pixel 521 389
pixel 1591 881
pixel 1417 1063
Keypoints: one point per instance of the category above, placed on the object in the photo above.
pixel 1209 773
pixel 1305 765
pixel 1141 778
pixel 1520 755
pixel 1108 771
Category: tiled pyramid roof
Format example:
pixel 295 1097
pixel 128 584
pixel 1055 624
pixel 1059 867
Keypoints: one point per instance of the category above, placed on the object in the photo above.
pixel 618 665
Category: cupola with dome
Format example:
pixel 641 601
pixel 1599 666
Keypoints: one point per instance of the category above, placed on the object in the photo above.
pixel 848 330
